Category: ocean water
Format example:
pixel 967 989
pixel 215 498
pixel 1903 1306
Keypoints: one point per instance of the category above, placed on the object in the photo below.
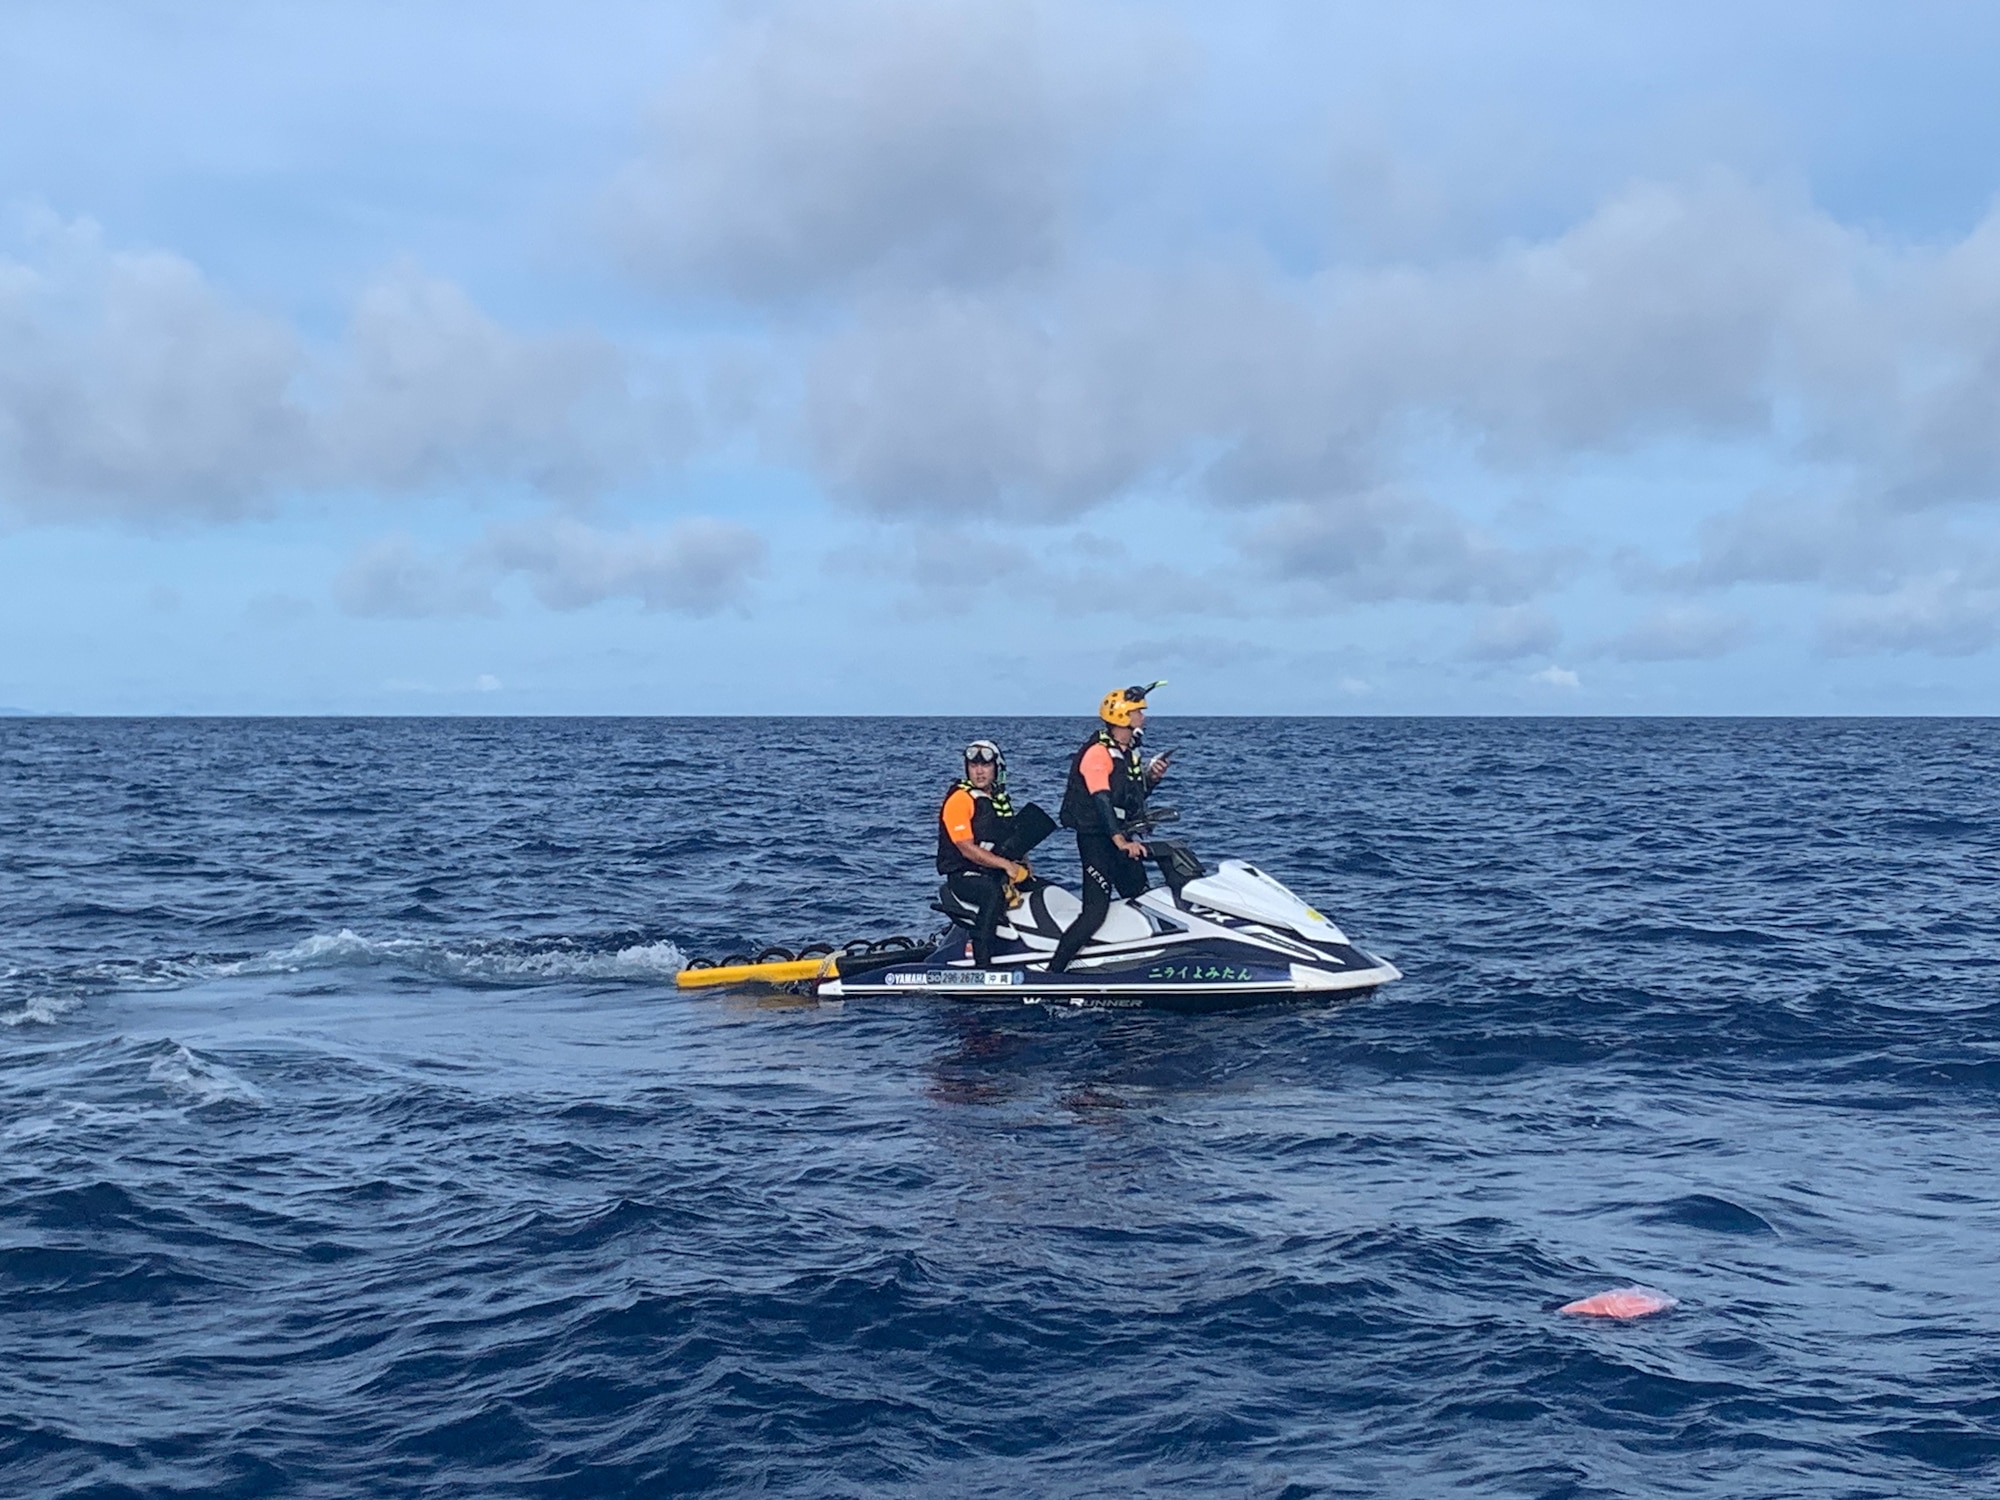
pixel 355 1141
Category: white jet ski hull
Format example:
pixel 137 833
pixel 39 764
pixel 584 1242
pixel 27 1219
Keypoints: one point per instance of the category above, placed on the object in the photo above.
pixel 1221 942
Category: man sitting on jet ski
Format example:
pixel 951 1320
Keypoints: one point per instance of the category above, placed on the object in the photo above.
pixel 1105 795
pixel 977 817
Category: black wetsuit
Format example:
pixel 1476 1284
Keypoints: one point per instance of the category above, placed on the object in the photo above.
pixel 1096 816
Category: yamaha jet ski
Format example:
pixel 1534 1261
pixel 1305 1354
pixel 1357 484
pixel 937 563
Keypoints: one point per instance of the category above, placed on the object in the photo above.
pixel 1204 942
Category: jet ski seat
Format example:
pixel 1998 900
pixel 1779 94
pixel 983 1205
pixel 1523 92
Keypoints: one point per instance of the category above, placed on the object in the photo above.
pixel 1047 910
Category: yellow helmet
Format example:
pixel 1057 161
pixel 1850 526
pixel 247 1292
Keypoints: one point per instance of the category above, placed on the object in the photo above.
pixel 1116 709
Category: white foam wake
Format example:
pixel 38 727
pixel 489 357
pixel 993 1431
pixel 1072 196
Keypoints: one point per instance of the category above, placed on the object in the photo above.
pixel 209 1082
pixel 488 963
pixel 43 1010
pixel 70 1115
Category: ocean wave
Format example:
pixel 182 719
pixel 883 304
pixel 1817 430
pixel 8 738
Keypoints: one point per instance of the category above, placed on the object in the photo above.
pixel 67 1118
pixel 184 1071
pixel 54 992
pixel 42 1010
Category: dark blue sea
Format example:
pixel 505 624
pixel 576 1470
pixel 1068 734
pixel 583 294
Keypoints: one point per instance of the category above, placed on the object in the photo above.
pixel 356 1141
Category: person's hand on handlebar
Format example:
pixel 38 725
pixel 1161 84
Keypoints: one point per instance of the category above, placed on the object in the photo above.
pixel 1129 846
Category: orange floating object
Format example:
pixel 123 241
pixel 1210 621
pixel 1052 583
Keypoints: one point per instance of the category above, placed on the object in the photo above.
pixel 1624 1302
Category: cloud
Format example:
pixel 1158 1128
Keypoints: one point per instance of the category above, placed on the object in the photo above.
pixel 1681 633
pixel 828 144
pixel 1312 404
pixel 1561 679
pixel 947 403
pixel 1215 653
pixel 1301 560
pixel 428 392
pixel 395 579
pixel 131 389
pixel 1707 311
pixel 1943 614
pixel 1939 385
pixel 1387 544
pixel 964 300
pixel 1900 580
pixel 695 567
pixel 1663 313
pixel 1671 309
pixel 1076 571
pixel 1779 538
pixel 1512 632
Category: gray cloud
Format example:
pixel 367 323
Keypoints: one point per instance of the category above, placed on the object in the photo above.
pixel 1302 560
pixel 830 142
pixel 131 389
pixel 1708 310
pixel 1901 580
pixel 921 160
pixel 1387 544
pixel 427 391
pixel 1663 313
pixel 1783 539
pixel 943 566
pixel 1948 613
pixel 1213 653
pixel 395 579
pixel 910 194
pixel 950 403
pixel 1681 633
pixel 1933 382
pixel 695 567
pixel 1512 632
pixel 1672 309
pixel 1859 544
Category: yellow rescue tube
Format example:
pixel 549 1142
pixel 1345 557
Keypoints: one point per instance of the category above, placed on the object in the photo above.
pixel 788 972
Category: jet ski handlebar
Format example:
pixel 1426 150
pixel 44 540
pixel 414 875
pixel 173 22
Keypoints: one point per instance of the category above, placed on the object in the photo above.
pixel 1177 862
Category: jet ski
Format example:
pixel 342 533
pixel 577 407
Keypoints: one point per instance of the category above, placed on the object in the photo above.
pixel 1203 942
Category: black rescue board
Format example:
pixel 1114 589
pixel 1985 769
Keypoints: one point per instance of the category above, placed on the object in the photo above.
pixel 1029 827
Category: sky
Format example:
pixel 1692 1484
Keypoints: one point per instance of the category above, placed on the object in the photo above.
pixel 977 356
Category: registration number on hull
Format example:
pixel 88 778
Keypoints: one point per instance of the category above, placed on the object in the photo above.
pixel 973 978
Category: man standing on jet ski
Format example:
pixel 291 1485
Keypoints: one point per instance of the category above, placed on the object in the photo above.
pixel 1106 794
pixel 977 814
